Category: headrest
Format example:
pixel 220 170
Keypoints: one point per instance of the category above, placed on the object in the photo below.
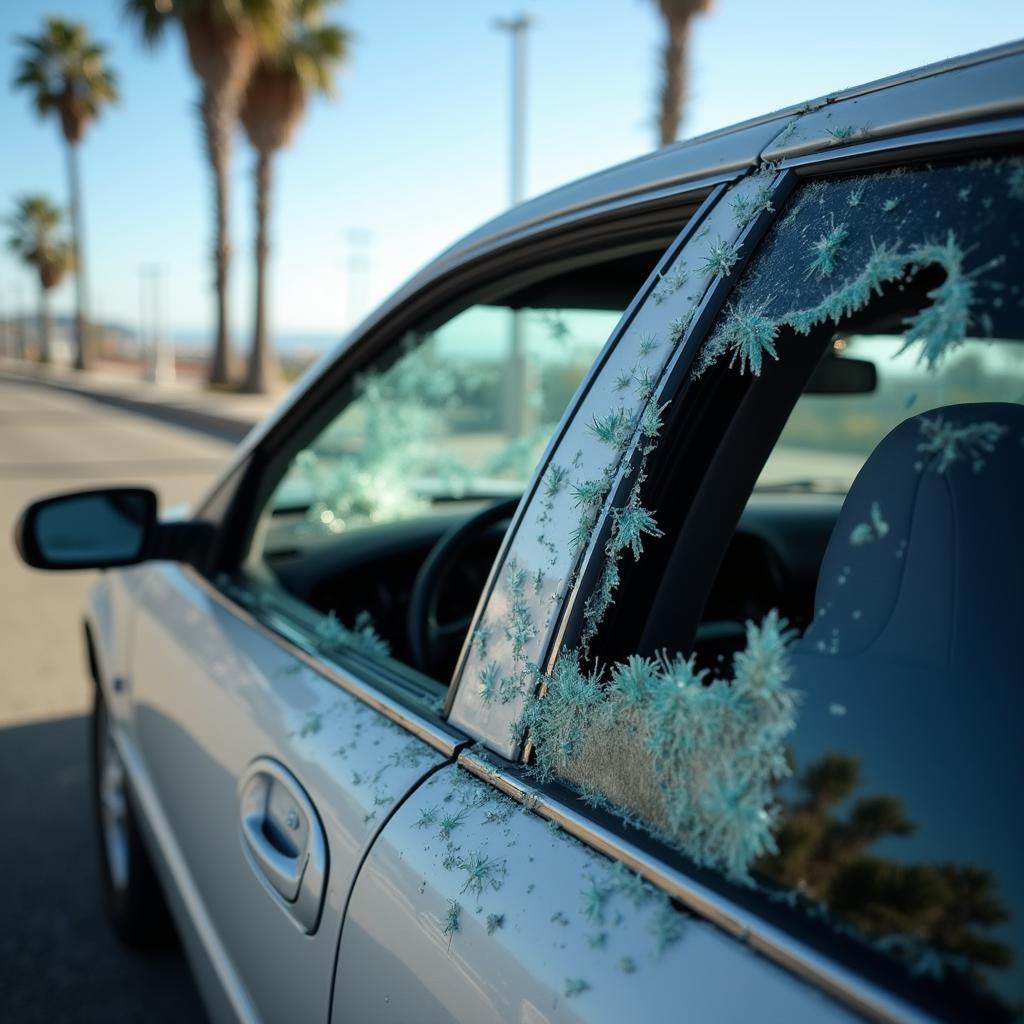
pixel 925 566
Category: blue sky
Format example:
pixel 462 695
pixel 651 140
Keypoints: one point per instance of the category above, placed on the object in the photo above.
pixel 414 148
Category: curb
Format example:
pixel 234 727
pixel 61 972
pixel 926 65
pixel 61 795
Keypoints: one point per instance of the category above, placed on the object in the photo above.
pixel 228 427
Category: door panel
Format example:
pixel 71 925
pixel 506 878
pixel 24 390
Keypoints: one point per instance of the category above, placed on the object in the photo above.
pixel 471 908
pixel 210 694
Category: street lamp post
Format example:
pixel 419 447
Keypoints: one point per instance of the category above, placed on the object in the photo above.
pixel 517 28
pixel 158 355
pixel 517 411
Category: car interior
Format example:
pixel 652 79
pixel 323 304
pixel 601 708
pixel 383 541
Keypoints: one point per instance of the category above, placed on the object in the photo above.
pixel 419 577
pixel 752 479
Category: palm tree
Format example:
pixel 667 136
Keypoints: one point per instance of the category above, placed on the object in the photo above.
pixel 678 15
pixel 303 62
pixel 66 75
pixel 32 238
pixel 223 39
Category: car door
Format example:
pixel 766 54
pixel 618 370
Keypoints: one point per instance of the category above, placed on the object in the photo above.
pixel 267 732
pixel 245 757
pixel 471 907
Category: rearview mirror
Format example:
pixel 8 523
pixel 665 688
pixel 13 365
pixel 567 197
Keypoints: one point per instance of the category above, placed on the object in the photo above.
pixel 842 375
pixel 88 529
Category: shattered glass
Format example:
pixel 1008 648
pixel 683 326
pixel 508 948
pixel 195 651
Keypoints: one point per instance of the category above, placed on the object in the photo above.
pixel 805 790
pixel 463 412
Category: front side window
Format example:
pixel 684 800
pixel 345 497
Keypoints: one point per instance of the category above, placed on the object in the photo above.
pixel 804 676
pixel 428 435
pixel 459 413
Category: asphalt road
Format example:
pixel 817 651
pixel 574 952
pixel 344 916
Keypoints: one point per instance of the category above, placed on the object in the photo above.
pixel 59 962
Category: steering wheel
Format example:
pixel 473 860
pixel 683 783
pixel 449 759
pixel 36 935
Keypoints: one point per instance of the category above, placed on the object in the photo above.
pixel 430 640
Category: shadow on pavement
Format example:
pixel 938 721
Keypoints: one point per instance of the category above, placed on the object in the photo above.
pixel 59 961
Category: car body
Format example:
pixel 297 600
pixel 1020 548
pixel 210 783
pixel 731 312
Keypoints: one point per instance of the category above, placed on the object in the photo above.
pixel 341 837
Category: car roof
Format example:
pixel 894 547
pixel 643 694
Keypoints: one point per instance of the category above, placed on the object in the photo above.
pixel 995 87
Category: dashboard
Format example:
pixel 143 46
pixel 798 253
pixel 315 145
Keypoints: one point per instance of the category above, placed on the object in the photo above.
pixel 772 562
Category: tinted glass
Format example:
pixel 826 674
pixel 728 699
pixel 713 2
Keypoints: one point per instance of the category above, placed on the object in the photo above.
pixel 897 826
pixel 859 781
pixel 829 437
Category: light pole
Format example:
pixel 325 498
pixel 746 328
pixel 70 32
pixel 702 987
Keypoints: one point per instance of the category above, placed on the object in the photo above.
pixel 517 411
pixel 19 300
pixel 517 28
pixel 158 361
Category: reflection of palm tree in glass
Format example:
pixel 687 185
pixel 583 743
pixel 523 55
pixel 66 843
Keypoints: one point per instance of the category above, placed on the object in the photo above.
pixel 826 857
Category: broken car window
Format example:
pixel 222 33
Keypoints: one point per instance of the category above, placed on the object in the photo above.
pixel 859 770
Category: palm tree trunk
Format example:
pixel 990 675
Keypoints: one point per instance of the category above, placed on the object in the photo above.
pixel 673 87
pixel 44 323
pixel 217 126
pixel 83 349
pixel 263 369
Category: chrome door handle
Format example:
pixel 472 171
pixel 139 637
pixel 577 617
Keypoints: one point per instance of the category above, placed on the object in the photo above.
pixel 282 866
pixel 283 839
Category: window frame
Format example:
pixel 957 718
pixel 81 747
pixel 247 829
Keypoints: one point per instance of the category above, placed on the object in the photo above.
pixel 980 139
pixel 491 728
pixel 250 479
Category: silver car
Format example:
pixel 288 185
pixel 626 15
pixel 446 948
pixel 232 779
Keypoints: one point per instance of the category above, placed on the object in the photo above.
pixel 624 622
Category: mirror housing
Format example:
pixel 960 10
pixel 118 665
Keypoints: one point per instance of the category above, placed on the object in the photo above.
pixel 104 529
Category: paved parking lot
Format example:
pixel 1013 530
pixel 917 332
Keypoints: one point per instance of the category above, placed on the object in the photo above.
pixel 58 959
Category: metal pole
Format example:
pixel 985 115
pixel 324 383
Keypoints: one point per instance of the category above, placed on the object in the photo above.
pixel 159 367
pixel 517 28
pixel 167 372
pixel 19 300
pixel 143 348
pixel 154 272
pixel 517 413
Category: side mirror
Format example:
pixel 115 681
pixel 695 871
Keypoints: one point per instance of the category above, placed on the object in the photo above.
pixel 88 529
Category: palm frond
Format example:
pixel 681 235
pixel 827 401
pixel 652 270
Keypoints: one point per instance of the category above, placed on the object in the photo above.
pixel 315 56
pixel 151 17
pixel 63 70
pixel 31 226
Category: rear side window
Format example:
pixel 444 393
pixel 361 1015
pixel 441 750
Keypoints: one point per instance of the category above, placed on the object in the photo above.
pixel 823 706
pixel 892 820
